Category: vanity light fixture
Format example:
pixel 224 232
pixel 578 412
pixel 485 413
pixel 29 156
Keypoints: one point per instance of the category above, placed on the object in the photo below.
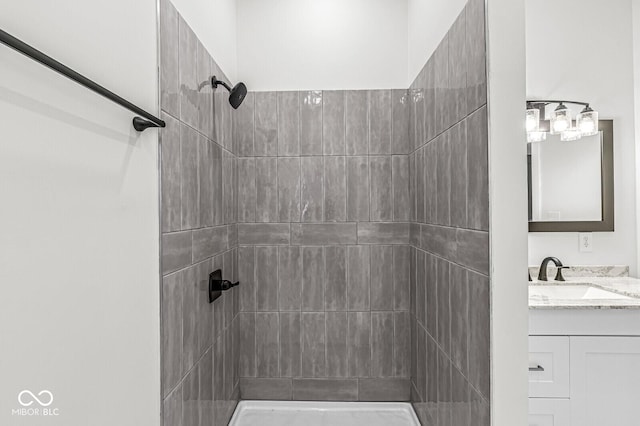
pixel 586 123
pixel 560 119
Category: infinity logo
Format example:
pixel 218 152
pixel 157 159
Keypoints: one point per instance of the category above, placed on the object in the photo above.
pixel 34 398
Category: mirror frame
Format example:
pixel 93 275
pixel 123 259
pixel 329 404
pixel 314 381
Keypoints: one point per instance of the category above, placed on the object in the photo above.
pixel 607 222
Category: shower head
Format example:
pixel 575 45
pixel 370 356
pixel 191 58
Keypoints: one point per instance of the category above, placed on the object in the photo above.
pixel 236 93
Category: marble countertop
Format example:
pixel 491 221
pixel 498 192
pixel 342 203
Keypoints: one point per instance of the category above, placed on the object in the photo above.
pixel 618 284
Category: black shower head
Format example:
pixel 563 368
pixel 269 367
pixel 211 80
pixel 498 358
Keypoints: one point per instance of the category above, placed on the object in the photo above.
pixel 236 94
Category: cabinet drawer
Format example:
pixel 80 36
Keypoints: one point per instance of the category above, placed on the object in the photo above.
pixel 549 412
pixel 549 366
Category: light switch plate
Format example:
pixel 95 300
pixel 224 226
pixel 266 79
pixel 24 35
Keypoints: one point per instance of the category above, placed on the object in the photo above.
pixel 586 242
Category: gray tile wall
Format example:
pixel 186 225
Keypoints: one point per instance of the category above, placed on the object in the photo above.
pixel 323 232
pixel 449 231
pixel 200 344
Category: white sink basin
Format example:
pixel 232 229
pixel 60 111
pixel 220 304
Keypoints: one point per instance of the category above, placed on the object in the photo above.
pixel 573 292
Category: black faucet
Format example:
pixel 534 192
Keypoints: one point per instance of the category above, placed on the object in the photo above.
pixel 542 274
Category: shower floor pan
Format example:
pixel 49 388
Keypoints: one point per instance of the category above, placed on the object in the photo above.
pixel 299 413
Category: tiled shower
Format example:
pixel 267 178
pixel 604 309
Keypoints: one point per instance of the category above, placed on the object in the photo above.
pixel 356 222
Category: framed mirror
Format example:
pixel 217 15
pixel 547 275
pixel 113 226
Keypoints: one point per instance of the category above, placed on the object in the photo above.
pixel 571 183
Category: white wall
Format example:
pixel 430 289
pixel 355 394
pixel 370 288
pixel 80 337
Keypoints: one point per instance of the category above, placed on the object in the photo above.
pixel 508 212
pixel 214 22
pixel 79 279
pixel 594 64
pixel 428 21
pixel 322 44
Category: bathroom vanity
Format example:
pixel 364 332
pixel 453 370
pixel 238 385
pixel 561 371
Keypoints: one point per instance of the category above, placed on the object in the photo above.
pixel 584 352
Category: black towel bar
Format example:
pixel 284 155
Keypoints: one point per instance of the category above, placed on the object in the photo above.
pixel 139 123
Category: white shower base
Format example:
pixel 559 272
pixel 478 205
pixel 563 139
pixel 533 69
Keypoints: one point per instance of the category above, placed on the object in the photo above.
pixel 299 413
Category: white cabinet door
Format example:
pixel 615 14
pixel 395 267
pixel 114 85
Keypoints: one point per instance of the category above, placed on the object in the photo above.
pixel 549 412
pixel 605 381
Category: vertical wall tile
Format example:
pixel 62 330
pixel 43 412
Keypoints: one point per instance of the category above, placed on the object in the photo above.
pixel 335 297
pixel 289 278
pixel 401 344
pixel 432 370
pixel 171 331
pixel 216 189
pixel 172 408
pixel 379 122
pixel 335 189
pixel 266 124
pixel 431 272
pixel 333 123
pixel 313 279
pixel 459 317
pixel 313 344
pixel 479 333
pixel 381 344
pixel 421 284
pixel 203 308
pixel 170 173
pixel 189 319
pixel 266 190
pixel 247 336
pixel 441 70
pixel 476 50
pixel 400 122
pixel 188 78
pixel 243 126
pixel 444 306
pixel 246 190
pixel 267 351
pixel 312 188
pixel 169 47
pixel 460 400
pixel 205 179
pixel 218 382
pixel 288 124
pixel 458 57
pixel 311 122
pixel 444 389
pixel 381 192
pixel 204 93
pixel 420 94
pixel 421 184
pixel 357 122
pixel 290 344
pixel 458 176
pixel 247 288
pixel 289 189
pixel 206 388
pixel 421 373
pixel 336 325
pixel 189 180
pixel 430 195
pixel 443 165
pixel 358 278
pixel 400 178
pixel 358 190
pixel 430 101
pixel 266 278
pixel 478 170
pixel 382 291
pixel 401 271
pixel 359 343
pixel 228 188
pixel 190 412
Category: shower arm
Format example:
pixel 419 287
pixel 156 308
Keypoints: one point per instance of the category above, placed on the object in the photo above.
pixel 215 82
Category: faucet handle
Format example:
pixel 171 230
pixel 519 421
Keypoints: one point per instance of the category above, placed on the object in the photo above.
pixel 559 276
